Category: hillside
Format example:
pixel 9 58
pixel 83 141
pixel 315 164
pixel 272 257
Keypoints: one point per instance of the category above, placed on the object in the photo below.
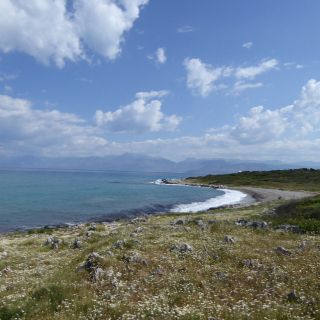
pixel 293 179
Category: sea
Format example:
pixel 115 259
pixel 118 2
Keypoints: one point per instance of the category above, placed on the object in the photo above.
pixel 36 198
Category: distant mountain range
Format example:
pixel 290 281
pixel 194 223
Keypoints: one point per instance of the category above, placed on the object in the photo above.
pixel 143 163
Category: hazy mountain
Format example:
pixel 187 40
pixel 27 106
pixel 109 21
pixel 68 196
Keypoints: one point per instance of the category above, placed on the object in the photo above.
pixel 142 163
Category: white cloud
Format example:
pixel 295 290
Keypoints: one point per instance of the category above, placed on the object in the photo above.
pixel 293 65
pixel 240 86
pixel 247 45
pixel 185 29
pixel 289 133
pixel 201 77
pixel 161 56
pixel 252 72
pixel 152 94
pixel 49 33
pixel 102 23
pixel 142 115
pixel 28 130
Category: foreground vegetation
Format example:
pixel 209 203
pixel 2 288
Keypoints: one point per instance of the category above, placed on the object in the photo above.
pixel 220 264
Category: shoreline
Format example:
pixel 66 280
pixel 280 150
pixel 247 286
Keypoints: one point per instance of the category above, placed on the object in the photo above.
pixel 253 196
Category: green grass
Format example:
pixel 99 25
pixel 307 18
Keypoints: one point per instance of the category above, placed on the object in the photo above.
pixel 298 179
pixel 305 213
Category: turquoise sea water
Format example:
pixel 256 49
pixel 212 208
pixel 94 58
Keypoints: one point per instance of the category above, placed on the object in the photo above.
pixel 37 198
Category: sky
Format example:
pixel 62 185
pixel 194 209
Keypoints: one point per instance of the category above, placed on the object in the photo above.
pixel 174 79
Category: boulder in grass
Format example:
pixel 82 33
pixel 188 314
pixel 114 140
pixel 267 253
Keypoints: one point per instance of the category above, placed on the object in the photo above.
pixel 3 255
pixel 283 251
pixel 229 239
pixel 182 248
pixel 292 296
pixel 135 258
pixel 53 242
pixel 76 244
pixel 119 244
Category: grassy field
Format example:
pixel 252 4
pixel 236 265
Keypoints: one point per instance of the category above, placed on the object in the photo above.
pixel 186 266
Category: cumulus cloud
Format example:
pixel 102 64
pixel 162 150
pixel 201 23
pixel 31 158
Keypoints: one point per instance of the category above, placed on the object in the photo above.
pixel 202 78
pixel 102 23
pixel 247 45
pixel 25 129
pixel 47 31
pixel 290 122
pixel 142 115
pixel 287 133
pixel 161 56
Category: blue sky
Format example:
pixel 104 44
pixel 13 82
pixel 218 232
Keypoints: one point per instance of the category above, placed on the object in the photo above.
pixel 177 79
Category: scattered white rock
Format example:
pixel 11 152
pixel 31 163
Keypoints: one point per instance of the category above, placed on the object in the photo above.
pixel 76 244
pixel 229 239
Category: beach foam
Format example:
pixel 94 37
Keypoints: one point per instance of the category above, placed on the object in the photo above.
pixel 229 197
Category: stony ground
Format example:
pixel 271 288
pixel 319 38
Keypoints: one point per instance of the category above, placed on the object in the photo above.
pixel 195 266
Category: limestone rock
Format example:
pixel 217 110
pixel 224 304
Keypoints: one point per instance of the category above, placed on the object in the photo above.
pixel 228 239
pixel 76 244
pixel 53 242
pixel 282 250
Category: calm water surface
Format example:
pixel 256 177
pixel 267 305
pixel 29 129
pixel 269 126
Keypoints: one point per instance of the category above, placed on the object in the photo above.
pixel 37 198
